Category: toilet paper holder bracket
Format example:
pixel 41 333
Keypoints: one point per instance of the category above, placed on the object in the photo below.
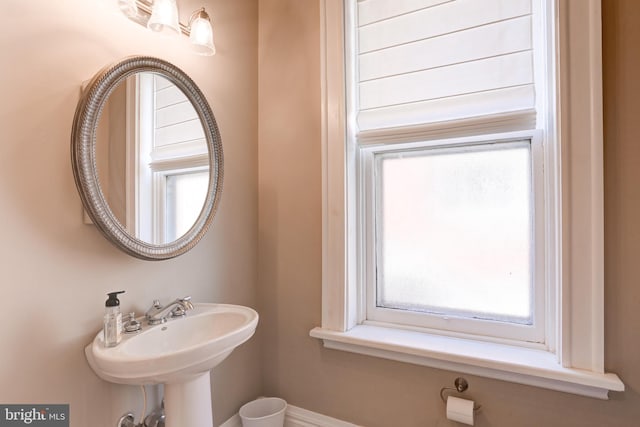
pixel 461 385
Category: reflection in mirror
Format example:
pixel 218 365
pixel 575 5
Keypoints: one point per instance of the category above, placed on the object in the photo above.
pixel 152 158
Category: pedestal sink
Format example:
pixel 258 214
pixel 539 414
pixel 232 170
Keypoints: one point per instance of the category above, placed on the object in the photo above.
pixel 179 354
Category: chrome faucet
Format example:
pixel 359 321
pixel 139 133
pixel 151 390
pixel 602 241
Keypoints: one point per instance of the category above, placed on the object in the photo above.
pixel 159 314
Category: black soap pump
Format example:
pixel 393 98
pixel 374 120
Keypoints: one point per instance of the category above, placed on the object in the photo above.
pixel 112 320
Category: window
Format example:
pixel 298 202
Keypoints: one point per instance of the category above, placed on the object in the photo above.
pixel 186 192
pixel 452 242
pixel 452 229
pixel 451 237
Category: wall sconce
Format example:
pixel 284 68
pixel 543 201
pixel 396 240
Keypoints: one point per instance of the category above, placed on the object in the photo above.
pixel 162 16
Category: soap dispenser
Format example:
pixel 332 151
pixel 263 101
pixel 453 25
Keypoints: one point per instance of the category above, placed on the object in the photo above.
pixel 112 320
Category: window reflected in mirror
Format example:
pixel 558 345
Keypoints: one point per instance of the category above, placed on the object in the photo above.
pixel 186 192
pixel 152 158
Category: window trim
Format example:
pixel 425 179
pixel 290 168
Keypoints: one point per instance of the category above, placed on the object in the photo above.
pixel 578 363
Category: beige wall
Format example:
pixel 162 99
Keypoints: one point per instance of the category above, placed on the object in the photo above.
pixel 380 393
pixel 54 270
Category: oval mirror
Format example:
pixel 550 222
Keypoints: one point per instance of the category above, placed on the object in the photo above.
pixel 147 158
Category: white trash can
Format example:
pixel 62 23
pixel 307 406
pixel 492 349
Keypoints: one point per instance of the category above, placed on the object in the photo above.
pixel 265 412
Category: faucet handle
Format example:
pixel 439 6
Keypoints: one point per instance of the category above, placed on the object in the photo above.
pixel 182 306
pixel 131 324
pixel 186 301
pixel 178 312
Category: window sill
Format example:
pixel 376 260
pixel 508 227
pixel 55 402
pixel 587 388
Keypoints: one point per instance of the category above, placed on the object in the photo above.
pixel 508 363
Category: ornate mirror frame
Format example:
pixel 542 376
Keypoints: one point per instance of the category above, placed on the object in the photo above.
pixel 83 157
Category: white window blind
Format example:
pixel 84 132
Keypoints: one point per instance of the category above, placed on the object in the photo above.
pixel 426 61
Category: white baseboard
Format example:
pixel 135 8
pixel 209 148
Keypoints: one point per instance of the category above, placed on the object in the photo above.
pixel 298 417
pixel 234 421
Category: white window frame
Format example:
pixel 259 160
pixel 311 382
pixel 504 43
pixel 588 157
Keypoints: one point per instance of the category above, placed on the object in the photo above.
pixel 575 364
pixel 533 336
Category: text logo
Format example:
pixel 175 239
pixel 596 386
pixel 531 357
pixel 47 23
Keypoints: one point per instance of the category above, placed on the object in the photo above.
pixel 34 415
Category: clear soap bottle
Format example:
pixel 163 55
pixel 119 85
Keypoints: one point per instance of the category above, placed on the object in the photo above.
pixel 112 320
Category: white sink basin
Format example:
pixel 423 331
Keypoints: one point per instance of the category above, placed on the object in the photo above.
pixel 177 351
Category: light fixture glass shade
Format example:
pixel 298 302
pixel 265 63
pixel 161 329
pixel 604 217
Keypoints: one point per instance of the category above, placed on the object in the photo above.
pixel 164 17
pixel 201 35
pixel 128 7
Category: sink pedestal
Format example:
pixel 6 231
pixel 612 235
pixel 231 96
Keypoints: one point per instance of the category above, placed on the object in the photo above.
pixel 189 403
